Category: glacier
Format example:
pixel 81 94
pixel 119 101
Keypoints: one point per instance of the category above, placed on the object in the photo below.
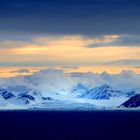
pixel 53 89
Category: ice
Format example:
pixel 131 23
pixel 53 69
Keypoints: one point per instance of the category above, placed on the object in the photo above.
pixel 64 90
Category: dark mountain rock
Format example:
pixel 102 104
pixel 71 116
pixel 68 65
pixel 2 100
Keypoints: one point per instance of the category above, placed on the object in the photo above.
pixel 48 99
pixel 133 102
pixel 5 94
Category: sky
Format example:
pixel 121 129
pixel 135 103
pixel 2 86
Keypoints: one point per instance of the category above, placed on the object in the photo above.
pixel 73 35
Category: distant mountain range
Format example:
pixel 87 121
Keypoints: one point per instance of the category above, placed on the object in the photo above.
pixel 55 86
pixel 29 97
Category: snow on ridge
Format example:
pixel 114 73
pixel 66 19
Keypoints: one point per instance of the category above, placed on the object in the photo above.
pixel 104 92
pixel 53 85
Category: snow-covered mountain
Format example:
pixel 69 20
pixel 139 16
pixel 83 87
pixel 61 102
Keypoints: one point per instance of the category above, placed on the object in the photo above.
pixel 23 98
pixel 53 85
pixel 30 97
pixel 103 92
pixel 133 102
pixel 6 95
pixel 80 89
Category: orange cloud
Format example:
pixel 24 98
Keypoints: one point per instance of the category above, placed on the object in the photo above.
pixel 66 50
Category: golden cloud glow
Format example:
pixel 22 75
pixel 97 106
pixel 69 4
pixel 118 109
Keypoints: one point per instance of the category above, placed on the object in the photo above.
pixel 11 71
pixel 68 50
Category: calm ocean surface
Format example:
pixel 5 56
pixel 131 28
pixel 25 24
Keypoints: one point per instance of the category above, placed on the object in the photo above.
pixel 68 125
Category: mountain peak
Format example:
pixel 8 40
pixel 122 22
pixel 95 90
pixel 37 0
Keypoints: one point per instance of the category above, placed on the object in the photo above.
pixel 6 95
pixel 133 102
pixel 127 72
pixel 80 88
pixel 103 92
pixel 104 73
pixel 106 86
